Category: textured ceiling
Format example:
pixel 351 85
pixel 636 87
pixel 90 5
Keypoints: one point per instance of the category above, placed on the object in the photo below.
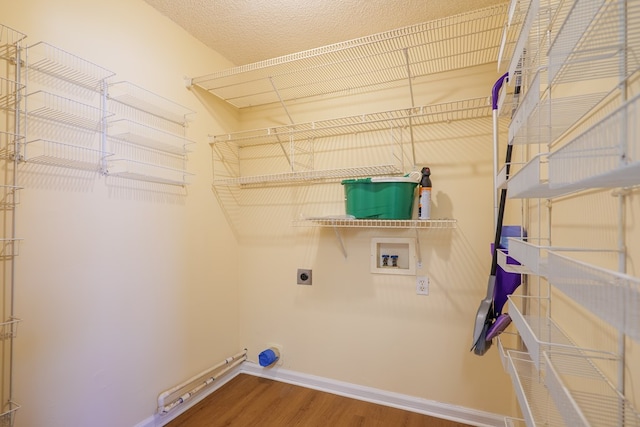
pixel 246 31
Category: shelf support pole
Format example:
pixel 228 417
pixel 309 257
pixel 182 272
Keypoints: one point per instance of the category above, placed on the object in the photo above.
pixel 339 237
pixel 413 148
pixel 622 255
pixel 418 250
pixel 104 88
pixel 275 89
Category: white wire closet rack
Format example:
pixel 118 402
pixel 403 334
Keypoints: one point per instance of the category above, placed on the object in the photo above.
pixel 432 224
pixel 66 66
pixel 9 328
pixel 374 61
pixel 533 396
pixel 141 99
pixel 147 136
pixel 225 147
pixel 9 41
pixel 10 247
pixel 593 40
pixel 583 394
pixel 512 28
pixel 605 155
pixel 12 133
pixel 8 414
pixel 567 390
pixel 9 196
pixel 613 297
pixel 59 109
pixel 532 257
pixel 60 154
pixel 149 172
pixel 541 333
pixel 8 91
pixel 369 122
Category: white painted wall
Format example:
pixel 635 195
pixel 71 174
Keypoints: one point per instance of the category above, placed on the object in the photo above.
pixel 372 329
pixel 126 288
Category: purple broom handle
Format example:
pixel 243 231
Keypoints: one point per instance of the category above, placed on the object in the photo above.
pixel 496 90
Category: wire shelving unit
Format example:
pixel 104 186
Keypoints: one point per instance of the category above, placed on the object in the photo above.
pixel 12 136
pixel 226 147
pixel 582 130
pixel 372 62
pixel 431 224
pixel 51 60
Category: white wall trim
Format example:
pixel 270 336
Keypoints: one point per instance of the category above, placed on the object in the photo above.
pixel 368 394
pixel 396 400
pixel 156 420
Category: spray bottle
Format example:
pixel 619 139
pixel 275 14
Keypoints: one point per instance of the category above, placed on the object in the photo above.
pixel 424 207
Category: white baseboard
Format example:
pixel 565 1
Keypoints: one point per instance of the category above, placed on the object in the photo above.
pixel 368 394
pixel 157 420
pixel 396 400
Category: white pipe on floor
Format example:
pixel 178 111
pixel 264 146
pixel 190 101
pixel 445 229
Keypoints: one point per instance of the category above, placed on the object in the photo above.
pixel 206 378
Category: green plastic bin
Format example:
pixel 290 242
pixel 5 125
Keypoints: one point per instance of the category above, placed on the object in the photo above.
pixel 380 198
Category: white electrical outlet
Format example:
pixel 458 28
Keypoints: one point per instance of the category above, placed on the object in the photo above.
pixel 422 285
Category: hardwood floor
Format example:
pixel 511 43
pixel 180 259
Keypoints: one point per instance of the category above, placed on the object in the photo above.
pixel 248 400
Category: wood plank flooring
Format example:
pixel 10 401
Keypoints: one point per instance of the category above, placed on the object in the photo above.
pixel 252 401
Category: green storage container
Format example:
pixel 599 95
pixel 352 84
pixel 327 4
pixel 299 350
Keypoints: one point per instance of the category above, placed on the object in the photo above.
pixel 380 198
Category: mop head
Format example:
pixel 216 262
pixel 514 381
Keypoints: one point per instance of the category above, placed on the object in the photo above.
pixel 484 313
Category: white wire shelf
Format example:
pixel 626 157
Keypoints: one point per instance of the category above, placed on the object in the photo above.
pixel 9 36
pixel 9 329
pixel 533 397
pixel 9 247
pixel 532 257
pixel 9 196
pixel 149 172
pixel 590 43
pixel 530 56
pixel 141 99
pixel 584 396
pixel 527 14
pixel 8 142
pixel 547 119
pixel 514 422
pixel 511 339
pixel 614 297
pixel 146 136
pixel 512 29
pixel 510 264
pixel 436 224
pixel 605 155
pixel 224 146
pixel 53 153
pixel 528 104
pixel 540 333
pixel 8 91
pixel 309 175
pixel 7 417
pixel 373 61
pixel 63 65
pixel 531 181
pixel 58 109
pixel 418 116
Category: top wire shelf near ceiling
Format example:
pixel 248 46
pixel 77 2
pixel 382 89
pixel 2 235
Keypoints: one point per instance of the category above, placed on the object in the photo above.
pixel 417 116
pixel 375 61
